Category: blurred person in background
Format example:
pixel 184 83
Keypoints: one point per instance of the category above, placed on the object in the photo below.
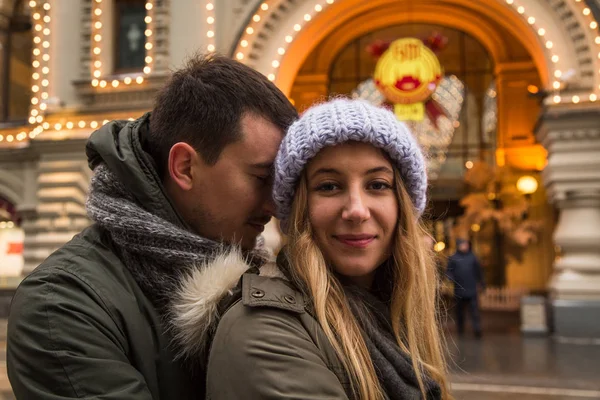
pixel 465 272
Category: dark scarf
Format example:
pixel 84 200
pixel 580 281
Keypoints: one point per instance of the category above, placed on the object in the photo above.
pixel 157 252
pixel 393 366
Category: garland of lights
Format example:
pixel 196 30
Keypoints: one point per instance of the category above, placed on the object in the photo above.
pixel 210 20
pixel 97 30
pixel 40 77
pixel 262 14
pixel 41 56
pixel 41 67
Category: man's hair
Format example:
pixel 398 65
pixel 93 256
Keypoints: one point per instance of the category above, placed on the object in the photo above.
pixel 203 103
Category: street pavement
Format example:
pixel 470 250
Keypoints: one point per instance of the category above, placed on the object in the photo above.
pixel 511 366
pixel 502 365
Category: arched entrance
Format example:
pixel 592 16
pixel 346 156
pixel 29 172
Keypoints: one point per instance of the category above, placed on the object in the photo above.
pixel 295 45
pixel 341 64
pixel 557 46
pixel 560 38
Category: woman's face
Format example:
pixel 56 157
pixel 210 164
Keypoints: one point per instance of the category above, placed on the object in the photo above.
pixel 352 208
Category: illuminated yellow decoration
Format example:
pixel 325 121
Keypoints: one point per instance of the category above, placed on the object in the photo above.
pixel 407 74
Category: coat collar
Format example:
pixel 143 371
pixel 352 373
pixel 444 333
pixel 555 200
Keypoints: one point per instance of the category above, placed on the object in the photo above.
pixel 195 310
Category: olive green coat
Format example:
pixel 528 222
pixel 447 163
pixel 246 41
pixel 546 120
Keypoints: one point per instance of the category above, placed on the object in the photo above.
pixel 266 344
pixel 79 325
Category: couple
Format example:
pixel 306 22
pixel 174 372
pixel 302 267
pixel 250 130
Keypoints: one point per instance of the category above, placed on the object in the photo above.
pixel 153 301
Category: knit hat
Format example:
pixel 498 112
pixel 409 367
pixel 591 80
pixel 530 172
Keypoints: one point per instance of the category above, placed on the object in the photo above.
pixel 339 121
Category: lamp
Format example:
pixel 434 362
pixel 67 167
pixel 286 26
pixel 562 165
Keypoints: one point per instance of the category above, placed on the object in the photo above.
pixel 527 185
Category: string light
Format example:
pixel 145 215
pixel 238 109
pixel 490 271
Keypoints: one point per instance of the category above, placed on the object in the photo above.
pixel 40 11
pixel 210 26
pixel 263 13
pixel 41 70
pixel 593 26
pixel 260 18
pixel 97 37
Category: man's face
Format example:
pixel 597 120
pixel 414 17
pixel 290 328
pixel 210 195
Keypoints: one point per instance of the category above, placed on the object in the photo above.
pixel 231 200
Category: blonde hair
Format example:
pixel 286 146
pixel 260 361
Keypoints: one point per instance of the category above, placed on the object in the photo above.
pixel 413 308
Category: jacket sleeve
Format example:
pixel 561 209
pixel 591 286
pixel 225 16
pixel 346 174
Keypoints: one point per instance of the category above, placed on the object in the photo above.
pixel 63 344
pixel 266 353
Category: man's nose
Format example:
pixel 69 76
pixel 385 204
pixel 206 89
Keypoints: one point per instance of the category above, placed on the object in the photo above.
pixel 269 207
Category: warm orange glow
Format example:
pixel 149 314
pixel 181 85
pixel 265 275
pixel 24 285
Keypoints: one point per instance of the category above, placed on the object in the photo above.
pixel 527 184
pixel 533 89
pixel 527 158
pixel 464 15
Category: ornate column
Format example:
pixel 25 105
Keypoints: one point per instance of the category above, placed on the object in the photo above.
pixel 572 178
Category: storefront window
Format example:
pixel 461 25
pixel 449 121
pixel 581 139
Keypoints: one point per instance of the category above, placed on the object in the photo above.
pixel 463 57
pixel 15 62
pixel 130 38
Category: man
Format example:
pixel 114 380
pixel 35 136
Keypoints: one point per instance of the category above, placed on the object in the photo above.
pixel 170 190
pixel 465 271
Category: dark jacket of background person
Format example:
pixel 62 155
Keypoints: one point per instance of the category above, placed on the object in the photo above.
pixel 465 271
pixel 81 327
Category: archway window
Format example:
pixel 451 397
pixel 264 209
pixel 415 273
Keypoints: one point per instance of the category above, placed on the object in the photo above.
pixel 130 39
pixel 464 57
pixel 15 62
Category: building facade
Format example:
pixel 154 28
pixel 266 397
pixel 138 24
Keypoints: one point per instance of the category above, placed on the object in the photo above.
pixel 529 72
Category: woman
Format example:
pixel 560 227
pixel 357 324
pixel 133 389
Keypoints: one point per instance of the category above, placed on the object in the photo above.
pixel 350 313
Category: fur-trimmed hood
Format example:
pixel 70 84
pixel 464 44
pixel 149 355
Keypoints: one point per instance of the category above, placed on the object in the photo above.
pixel 195 309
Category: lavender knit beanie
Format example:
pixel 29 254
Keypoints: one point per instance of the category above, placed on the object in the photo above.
pixel 339 121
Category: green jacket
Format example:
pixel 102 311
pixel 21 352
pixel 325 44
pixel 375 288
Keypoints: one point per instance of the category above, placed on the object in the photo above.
pixel 266 345
pixel 79 325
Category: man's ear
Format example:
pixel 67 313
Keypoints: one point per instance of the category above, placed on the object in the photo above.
pixel 182 157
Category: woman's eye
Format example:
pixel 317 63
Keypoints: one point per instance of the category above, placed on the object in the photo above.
pixel 327 187
pixel 379 185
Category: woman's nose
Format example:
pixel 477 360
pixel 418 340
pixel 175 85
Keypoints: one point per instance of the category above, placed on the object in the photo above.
pixel 356 208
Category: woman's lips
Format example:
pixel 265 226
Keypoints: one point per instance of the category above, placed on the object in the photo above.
pixel 358 241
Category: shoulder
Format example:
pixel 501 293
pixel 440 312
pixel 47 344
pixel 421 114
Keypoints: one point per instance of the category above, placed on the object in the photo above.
pixel 86 275
pixel 267 304
pixel 269 345
pixel 259 291
pixel 88 260
pixel 275 317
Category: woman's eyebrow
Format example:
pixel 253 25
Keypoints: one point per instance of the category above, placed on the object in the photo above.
pixel 325 171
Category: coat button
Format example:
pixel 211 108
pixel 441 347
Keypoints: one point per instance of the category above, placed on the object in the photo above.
pixel 258 294
pixel 290 299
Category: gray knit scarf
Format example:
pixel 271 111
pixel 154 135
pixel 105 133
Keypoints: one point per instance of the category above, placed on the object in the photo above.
pixel 154 250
